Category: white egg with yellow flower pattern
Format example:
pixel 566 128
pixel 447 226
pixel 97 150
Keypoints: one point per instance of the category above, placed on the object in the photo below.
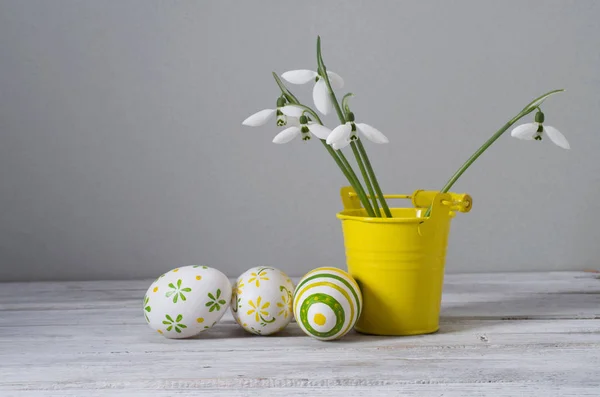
pixel 262 300
pixel 186 301
pixel 327 303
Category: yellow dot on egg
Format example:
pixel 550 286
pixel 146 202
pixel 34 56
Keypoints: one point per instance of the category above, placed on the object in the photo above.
pixel 155 289
pixel 319 319
pixel 159 331
pixel 200 320
pixel 198 277
pixel 175 270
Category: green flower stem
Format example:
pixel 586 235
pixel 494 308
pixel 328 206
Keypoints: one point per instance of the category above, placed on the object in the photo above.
pixel 476 155
pixel 346 168
pixel 533 105
pixel 363 162
pixel 337 156
pixel 324 76
pixel 312 112
pixel 366 178
pixel 360 191
pixel 365 158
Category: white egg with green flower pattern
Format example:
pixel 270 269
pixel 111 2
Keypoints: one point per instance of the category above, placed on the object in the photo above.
pixel 187 301
pixel 262 300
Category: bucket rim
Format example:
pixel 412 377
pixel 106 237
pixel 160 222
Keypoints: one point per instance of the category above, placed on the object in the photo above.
pixel 343 215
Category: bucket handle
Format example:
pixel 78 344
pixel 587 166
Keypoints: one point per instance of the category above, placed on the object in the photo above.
pixel 461 202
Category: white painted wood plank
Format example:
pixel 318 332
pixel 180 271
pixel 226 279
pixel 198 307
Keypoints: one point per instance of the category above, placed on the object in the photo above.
pixel 445 390
pixel 501 334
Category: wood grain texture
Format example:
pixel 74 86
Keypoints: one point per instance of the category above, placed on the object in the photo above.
pixel 501 335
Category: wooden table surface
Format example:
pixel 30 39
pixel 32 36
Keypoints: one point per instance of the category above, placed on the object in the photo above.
pixel 503 334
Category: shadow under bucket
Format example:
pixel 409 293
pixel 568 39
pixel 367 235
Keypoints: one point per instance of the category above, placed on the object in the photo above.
pixel 398 262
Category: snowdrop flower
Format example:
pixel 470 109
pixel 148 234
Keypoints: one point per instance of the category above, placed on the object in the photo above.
pixel 320 93
pixel 304 129
pixel 342 135
pixel 531 131
pixel 263 116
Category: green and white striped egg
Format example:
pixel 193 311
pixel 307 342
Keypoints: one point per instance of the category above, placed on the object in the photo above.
pixel 327 303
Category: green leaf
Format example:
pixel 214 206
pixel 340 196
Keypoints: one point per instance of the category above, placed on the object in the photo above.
pixel 208 304
pixel 182 297
pixel 211 296
pixel 177 330
pixel 178 283
pixel 218 307
pixel 170 327
pixel 212 308
pixel 204 267
pixel 538 101
pixel 186 289
pixel 345 106
pixel 171 285
pixel 320 65
pixel 286 93
pixel 182 325
pixel 169 318
pixel 218 293
pixel 148 309
pixel 166 322
pixel 179 318
pixel 222 302
pixel 175 298
pixel 169 293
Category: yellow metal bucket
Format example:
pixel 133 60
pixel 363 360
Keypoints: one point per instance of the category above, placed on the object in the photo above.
pixel 398 262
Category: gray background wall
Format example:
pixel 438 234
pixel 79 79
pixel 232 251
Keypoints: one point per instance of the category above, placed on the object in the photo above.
pixel 122 152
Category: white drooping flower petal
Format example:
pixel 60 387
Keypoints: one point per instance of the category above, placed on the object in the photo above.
pixel 286 135
pixel 336 80
pixel 320 92
pixel 525 131
pixel 557 137
pixel 371 133
pixel 340 144
pixel 340 134
pixel 301 76
pixel 321 97
pixel 293 121
pixel 319 131
pixel 259 118
pixel 292 111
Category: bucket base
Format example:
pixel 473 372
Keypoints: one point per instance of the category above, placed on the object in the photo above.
pixel 404 333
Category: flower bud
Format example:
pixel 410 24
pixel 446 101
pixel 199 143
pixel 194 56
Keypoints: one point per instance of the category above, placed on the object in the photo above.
pixel 539 117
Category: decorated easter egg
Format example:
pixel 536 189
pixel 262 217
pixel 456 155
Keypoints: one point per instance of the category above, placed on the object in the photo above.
pixel 262 300
pixel 186 301
pixel 327 303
